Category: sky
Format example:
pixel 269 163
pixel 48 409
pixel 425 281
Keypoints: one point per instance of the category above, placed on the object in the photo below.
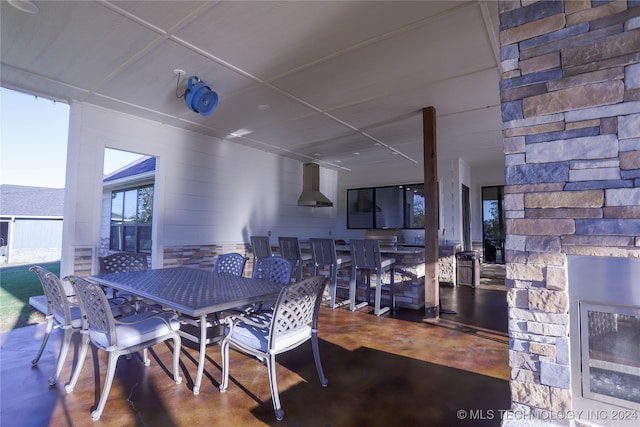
pixel 33 141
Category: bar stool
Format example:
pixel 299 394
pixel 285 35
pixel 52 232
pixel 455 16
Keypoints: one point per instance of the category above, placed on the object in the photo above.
pixel 366 258
pixel 325 258
pixel 261 247
pixel 290 249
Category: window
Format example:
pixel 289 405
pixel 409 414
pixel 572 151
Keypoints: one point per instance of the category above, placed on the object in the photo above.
pixel 399 206
pixel 131 216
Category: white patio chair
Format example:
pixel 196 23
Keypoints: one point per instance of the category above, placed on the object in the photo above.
pixel 60 312
pixel 293 321
pixel 274 269
pixel 119 336
pixel 366 259
pixel 123 262
pixel 290 249
pixel 325 259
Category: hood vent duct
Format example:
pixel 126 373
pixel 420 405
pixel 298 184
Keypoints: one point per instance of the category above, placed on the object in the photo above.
pixel 311 195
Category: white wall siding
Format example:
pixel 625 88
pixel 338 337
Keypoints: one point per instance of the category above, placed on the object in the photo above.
pixel 207 190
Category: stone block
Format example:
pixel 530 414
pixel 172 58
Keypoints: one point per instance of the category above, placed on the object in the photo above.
pixel 630 144
pixel 593 13
pixel 543 244
pixel 563 134
pixel 599 76
pixel 552 41
pixel 530 188
pixel 542 349
pixel 596 147
pixel 529 79
pixel 517 298
pixel 521 92
pixel 609 125
pixel 596 174
pixel 514 201
pixel 592 185
pixel 523 360
pixel 557 278
pixel 511 110
pixel 541 227
pixel 533 121
pixel 509 52
pixel 630 174
pixel 601 112
pixel 613 226
pixel 548 301
pixel 531 394
pixel 621 212
pixel 632 23
pixel 617 61
pixel 574 98
pixel 540 63
pixel 527 14
pixel 561 400
pixel 524 375
pixel 632 76
pixel 592 164
pixel 587 240
pixel 562 351
pixel 515 242
pixel 525 272
pixel 574 6
pixel 555 375
pixel 565 199
pixel 630 159
pixel 622 197
pixel 613 46
pixel 629 126
pixel 513 145
pixel 548 259
pixel 537 173
pixel 632 95
pixel 530 130
pixel 586 124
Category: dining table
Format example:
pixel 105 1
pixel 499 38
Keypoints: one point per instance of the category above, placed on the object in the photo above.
pixel 193 292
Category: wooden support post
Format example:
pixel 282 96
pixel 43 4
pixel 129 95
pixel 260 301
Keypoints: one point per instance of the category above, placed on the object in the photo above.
pixel 432 287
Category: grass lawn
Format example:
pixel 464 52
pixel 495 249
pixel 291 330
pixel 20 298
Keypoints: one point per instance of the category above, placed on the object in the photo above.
pixel 17 284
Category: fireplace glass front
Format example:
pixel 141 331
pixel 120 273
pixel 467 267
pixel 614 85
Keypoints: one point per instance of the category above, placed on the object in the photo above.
pixel 610 353
pixel 604 311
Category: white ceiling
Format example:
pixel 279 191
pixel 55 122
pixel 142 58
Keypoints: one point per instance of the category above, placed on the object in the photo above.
pixel 340 77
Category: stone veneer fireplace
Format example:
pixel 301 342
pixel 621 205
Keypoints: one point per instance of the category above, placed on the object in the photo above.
pixel 570 94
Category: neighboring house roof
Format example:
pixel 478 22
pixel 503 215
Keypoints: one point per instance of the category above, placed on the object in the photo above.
pixel 145 165
pixel 20 200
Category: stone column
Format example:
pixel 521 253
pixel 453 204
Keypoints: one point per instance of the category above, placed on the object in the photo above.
pixel 570 94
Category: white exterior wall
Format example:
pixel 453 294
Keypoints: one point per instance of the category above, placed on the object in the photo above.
pixel 206 190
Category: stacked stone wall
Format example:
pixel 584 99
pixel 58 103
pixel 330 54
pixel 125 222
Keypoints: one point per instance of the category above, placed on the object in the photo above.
pixel 570 93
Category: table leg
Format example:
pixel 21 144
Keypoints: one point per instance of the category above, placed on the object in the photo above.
pixel 201 356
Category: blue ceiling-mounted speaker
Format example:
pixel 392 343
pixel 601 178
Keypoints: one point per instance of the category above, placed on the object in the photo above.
pixel 199 97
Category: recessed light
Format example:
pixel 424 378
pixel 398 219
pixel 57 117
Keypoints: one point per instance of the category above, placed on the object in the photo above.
pixel 264 107
pixel 26 6
pixel 356 153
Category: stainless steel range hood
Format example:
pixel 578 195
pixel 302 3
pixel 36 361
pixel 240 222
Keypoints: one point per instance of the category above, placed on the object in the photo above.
pixel 311 195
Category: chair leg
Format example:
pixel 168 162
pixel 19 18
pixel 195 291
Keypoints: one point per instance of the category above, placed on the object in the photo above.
pixel 84 346
pixel 68 333
pixel 316 357
pixel 275 396
pixel 111 370
pixel 177 342
pixel 377 310
pixel 224 349
pixel 45 339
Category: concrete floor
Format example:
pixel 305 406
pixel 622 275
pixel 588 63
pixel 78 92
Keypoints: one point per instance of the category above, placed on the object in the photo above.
pixel 388 371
